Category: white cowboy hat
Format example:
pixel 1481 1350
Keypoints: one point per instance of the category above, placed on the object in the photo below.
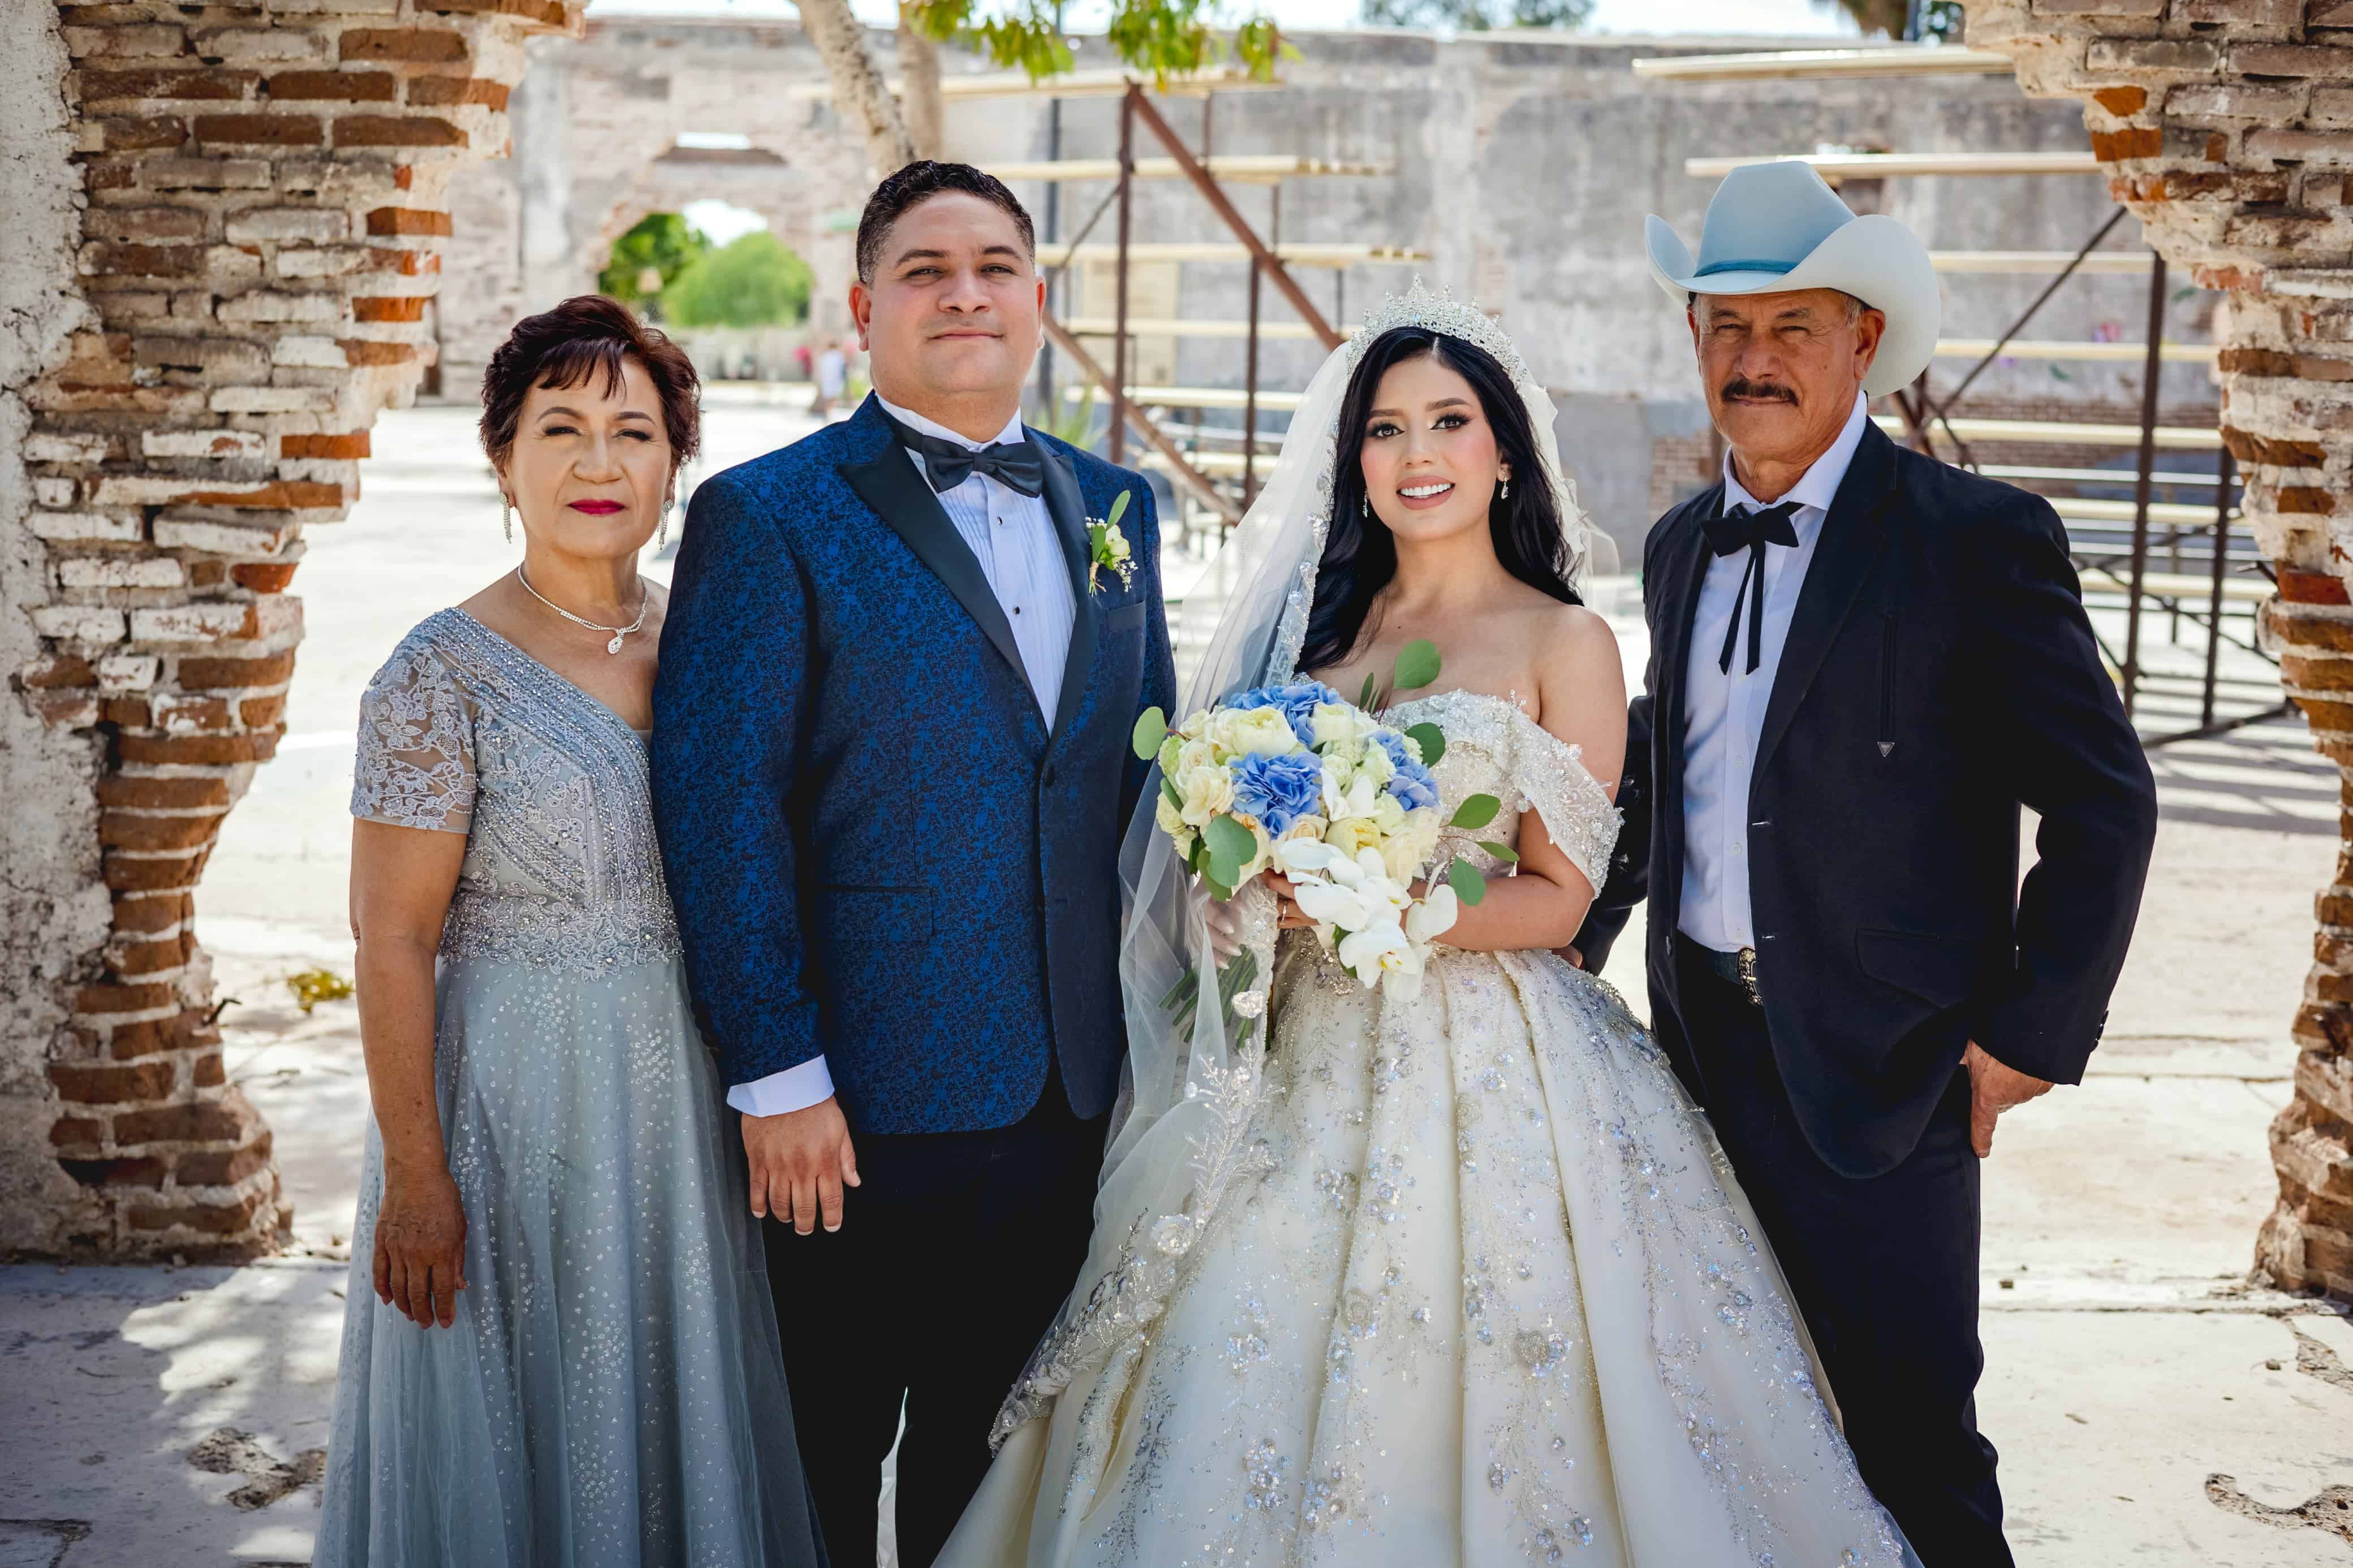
pixel 1776 227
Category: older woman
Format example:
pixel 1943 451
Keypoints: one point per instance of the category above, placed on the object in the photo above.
pixel 559 1347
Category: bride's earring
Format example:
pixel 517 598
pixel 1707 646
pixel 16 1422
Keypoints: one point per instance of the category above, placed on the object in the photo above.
pixel 506 516
pixel 1505 493
pixel 1365 505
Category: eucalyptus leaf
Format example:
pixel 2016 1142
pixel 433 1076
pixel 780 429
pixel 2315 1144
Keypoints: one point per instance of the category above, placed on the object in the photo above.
pixel 1217 889
pixel 1432 741
pixel 1502 852
pixel 1418 665
pixel 1372 686
pixel 1464 878
pixel 1477 811
pixel 1231 848
pixel 1151 728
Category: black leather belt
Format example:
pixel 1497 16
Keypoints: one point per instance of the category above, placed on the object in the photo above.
pixel 1733 968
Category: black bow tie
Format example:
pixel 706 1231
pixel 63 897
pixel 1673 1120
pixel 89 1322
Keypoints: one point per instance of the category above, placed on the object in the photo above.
pixel 1742 529
pixel 1013 464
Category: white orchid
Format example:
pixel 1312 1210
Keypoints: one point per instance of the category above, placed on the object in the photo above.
pixel 1382 955
pixel 1433 917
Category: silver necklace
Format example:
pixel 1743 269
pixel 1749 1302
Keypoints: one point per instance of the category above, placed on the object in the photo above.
pixel 619 632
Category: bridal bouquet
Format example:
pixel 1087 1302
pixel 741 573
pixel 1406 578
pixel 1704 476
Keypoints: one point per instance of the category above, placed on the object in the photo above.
pixel 1298 780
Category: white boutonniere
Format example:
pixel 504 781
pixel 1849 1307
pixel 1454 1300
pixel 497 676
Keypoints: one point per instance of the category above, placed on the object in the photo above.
pixel 1107 549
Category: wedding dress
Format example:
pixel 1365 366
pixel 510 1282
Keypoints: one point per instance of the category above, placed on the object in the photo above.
pixel 1459 1279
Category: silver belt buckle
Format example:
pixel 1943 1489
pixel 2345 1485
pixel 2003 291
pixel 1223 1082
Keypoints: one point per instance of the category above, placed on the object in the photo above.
pixel 1747 959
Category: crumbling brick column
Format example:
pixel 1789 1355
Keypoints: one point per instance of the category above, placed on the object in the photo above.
pixel 2227 127
pixel 260 238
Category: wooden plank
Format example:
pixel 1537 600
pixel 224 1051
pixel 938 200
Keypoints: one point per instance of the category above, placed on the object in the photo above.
pixel 1238 168
pixel 2190 585
pixel 2199 514
pixel 1201 397
pixel 1794 65
pixel 1159 327
pixel 2036 348
pixel 1072 84
pixel 2173 437
pixel 1192 478
pixel 2135 263
pixel 1309 253
pixel 1837 166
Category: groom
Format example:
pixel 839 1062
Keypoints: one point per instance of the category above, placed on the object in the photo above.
pixel 892 770
pixel 1863 664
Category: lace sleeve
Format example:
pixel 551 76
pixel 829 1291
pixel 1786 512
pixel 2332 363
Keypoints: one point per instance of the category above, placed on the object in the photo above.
pixel 1575 808
pixel 414 766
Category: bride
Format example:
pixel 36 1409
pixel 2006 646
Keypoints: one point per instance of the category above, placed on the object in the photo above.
pixel 1457 1278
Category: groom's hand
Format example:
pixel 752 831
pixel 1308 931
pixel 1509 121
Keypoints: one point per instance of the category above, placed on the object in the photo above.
pixel 800 1163
pixel 1994 1088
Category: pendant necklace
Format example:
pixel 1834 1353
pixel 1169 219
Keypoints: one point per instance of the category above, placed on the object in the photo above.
pixel 619 632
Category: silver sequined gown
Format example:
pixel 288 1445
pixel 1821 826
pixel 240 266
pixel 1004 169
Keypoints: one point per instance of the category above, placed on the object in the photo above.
pixel 1485 1294
pixel 612 1395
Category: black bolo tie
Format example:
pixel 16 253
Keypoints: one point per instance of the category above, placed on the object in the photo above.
pixel 1743 529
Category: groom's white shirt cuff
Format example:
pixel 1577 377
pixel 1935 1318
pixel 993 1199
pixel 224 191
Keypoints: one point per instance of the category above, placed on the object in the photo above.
pixel 795 1089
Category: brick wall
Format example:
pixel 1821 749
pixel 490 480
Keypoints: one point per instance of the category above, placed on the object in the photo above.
pixel 260 240
pixel 2227 126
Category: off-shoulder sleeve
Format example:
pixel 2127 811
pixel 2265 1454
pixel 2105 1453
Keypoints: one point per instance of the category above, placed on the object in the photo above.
pixel 416 761
pixel 1574 807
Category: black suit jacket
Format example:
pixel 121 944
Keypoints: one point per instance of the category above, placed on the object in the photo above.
pixel 1939 674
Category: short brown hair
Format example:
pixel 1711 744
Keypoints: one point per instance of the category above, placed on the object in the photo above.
pixel 587 334
pixel 918 181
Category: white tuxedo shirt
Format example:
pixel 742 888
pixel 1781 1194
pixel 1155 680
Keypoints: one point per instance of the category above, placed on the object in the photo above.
pixel 1725 712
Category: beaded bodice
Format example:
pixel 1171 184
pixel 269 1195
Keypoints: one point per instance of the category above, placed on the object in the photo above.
pixel 1493 747
pixel 461 731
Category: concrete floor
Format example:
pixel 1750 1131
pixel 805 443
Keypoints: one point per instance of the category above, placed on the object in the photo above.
pixel 2127 1360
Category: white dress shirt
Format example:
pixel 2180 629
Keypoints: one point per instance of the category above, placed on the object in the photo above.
pixel 1012 536
pixel 1725 712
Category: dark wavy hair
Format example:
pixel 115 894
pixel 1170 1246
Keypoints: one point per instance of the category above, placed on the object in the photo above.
pixel 585 336
pixel 918 182
pixel 1360 553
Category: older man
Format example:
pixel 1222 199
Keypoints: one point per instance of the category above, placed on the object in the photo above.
pixel 1864 663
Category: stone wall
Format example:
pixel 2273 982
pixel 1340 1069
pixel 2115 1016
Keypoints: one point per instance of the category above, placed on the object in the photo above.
pixel 2227 126
pixel 261 217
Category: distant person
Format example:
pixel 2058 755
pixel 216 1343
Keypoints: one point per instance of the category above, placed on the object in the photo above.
pixel 832 380
pixel 805 362
pixel 1863 664
pixel 891 766
pixel 558 1347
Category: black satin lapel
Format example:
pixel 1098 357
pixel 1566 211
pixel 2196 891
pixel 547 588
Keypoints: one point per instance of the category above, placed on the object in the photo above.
pixel 1850 545
pixel 1069 510
pixel 897 493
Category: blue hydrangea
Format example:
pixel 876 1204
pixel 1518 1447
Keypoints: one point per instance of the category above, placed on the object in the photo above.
pixel 1412 784
pixel 1298 701
pixel 1278 791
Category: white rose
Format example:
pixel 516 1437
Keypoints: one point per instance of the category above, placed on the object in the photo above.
pixel 1334 724
pixel 1376 766
pixel 1262 730
pixel 1206 791
pixel 1351 834
pixel 1406 853
pixel 1388 814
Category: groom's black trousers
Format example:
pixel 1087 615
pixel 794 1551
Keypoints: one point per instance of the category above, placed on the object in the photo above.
pixel 954 1252
pixel 1885 1273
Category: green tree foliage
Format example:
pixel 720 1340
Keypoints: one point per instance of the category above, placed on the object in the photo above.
pixel 750 281
pixel 1477 16
pixel 1166 37
pixel 664 241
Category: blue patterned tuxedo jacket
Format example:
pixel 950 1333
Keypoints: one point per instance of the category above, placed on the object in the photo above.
pixel 878 852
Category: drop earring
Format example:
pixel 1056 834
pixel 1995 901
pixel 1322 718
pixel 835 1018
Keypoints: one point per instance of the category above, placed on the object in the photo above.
pixel 1505 493
pixel 1365 505
pixel 506 517
pixel 661 533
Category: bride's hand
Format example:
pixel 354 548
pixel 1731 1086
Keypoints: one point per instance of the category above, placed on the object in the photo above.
pixel 1225 922
pixel 420 1246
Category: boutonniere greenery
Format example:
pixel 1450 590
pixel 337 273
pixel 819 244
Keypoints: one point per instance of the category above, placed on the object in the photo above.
pixel 1107 550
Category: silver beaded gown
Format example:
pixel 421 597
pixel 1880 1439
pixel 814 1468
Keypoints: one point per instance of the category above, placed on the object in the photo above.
pixel 1483 1292
pixel 612 1393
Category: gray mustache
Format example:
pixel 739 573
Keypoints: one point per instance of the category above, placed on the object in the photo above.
pixel 1741 386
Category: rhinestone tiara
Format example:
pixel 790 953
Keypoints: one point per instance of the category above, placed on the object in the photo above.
pixel 1440 312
